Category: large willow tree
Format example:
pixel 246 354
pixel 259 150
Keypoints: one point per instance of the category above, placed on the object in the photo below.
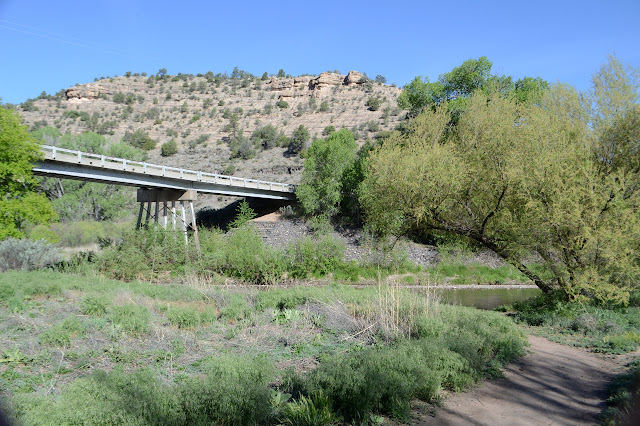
pixel 559 180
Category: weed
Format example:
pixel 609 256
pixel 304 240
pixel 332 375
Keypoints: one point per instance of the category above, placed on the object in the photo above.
pixel 312 411
pixel 183 317
pixel 61 334
pixel 94 305
pixel 133 319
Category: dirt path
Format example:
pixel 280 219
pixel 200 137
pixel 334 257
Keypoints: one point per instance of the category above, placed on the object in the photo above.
pixel 552 385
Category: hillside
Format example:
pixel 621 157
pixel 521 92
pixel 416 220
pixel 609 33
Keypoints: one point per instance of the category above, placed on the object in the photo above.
pixel 201 113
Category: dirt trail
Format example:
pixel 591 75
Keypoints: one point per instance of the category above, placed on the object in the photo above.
pixel 552 385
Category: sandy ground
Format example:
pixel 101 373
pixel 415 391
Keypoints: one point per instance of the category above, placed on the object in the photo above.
pixel 552 385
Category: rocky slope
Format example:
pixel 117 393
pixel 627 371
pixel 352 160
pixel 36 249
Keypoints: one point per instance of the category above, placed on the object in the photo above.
pixel 190 109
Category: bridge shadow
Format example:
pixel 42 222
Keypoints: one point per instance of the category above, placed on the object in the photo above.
pixel 221 218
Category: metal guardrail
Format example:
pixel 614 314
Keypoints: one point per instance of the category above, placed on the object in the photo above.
pixel 149 168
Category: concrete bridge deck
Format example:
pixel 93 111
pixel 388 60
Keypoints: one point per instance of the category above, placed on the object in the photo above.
pixel 70 164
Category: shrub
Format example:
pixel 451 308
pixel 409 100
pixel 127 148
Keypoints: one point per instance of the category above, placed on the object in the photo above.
pixel 183 316
pixel 27 254
pixel 134 319
pixel 282 104
pixel 374 103
pixel 234 392
pixel 45 233
pixel 61 334
pixel 312 411
pixel 315 256
pixel 169 148
pixel 139 139
pixel 94 305
pixel 328 130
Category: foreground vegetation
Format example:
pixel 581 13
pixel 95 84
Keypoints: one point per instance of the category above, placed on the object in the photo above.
pixel 77 349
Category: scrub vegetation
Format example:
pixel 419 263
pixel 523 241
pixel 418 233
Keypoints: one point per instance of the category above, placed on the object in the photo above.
pixel 79 349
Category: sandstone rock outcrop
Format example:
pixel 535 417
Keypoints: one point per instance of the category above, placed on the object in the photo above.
pixel 325 80
pixel 353 78
pixel 281 83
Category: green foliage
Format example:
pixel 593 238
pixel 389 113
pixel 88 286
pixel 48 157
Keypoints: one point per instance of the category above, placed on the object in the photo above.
pixel 61 334
pixel 312 411
pixel 183 316
pixel 19 203
pixel 462 82
pixel 384 379
pixel 266 136
pixel 244 213
pixel 169 148
pixel 298 140
pixel 326 163
pixel 317 257
pixel 576 205
pixel 328 130
pixel 598 328
pixel 374 103
pixel 139 139
pixel 623 391
pixel 282 104
pixel 324 107
pixel 27 255
pixel 94 305
pixel 133 319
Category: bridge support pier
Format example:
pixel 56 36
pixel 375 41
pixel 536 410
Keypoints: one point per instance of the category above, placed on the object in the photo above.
pixel 161 198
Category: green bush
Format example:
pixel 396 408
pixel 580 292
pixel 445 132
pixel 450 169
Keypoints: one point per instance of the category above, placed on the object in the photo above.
pixel 134 319
pixel 79 233
pixel 317 257
pixel 183 316
pixel 94 305
pixel 45 233
pixel 169 148
pixel 27 254
pixel 452 352
pixel 234 392
pixel 139 139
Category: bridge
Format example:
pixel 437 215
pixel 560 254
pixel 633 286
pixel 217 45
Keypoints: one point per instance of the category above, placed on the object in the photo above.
pixel 157 184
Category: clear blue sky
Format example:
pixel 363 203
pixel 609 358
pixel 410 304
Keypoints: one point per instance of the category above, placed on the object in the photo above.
pixel 51 45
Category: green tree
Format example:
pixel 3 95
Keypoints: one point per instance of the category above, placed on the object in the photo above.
pixel 281 73
pixel 463 81
pixel 19 203
pixel 381 79
pixel 298 140
pixel 420 94
pixel 162 72
pixel 266 136
pixel 326 161
pixel 139 139
pixel 549 179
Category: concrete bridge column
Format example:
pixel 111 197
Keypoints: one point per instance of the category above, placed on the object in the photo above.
pixel 165 196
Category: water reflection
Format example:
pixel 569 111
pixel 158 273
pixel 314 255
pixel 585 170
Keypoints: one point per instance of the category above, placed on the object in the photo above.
pixel 484 298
